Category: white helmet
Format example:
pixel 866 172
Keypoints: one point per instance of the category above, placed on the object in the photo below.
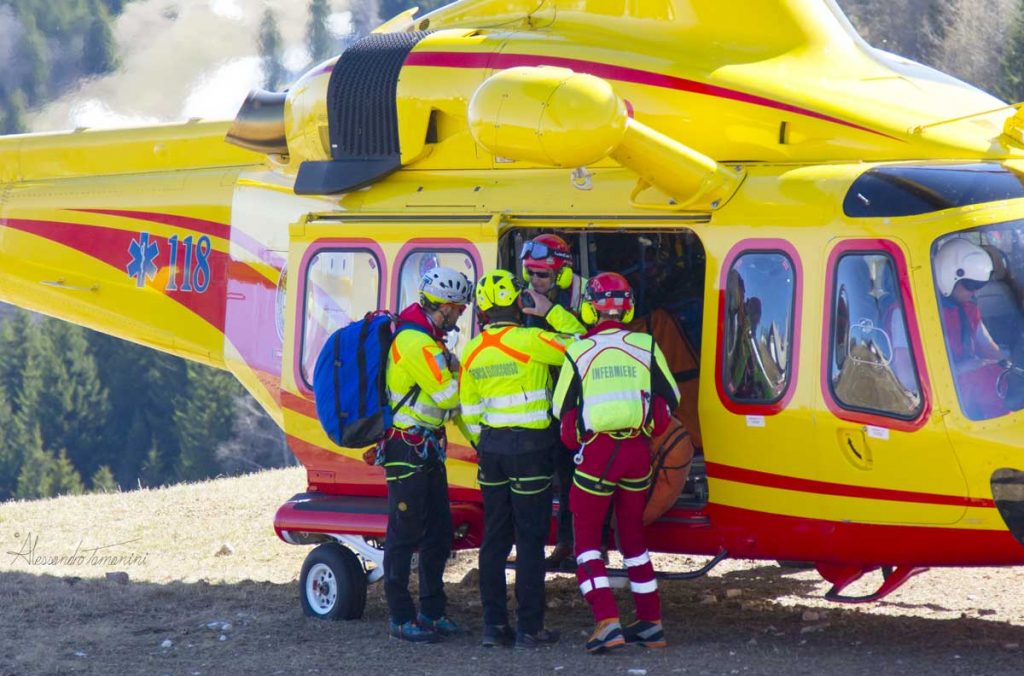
pixel 960 259
pixel 444 285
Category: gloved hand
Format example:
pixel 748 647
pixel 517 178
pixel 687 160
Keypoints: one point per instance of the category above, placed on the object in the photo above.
pixel 541 304
pixel 453 363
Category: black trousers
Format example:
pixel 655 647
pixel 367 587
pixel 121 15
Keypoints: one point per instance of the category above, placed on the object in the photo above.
pixel 517 510
pixel 564 470
pixel 419 518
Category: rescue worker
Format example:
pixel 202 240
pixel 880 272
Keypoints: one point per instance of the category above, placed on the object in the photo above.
pixel 614 391
pixel 505 389
pixel 555 292
pixel 962 268
pixel 423 390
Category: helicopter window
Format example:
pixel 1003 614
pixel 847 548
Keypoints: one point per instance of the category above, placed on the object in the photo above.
pixel 340 285
pixel 905 190
pixel 978 275
pixel 416 264
pixel 872 367
pixel 758 327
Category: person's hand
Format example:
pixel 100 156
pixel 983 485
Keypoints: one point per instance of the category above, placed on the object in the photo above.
pixel 541 304
pixel 453 363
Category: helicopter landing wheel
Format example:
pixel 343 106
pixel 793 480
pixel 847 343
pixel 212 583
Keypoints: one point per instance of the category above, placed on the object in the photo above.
pixel 332 584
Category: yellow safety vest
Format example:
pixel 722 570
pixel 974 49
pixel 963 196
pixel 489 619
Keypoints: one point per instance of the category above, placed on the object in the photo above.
pixel 613 368
pixel 505 378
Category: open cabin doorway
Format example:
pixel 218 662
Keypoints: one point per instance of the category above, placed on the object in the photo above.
pixel 666 266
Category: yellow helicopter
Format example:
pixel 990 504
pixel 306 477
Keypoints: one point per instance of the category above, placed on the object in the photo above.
pixel 836 230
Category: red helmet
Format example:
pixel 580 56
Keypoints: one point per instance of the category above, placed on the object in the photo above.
pixel 608 293
pixel 546 252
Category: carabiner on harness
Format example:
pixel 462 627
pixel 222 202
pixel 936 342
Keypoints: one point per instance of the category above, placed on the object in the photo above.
pixel 578 458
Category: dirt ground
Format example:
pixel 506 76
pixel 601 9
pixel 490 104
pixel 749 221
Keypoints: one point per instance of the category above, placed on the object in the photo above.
pixel 188 610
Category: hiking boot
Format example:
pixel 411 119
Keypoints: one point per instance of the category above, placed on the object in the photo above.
pixel 497 635
pixel 410 631
pixel 560 557
pixel 607 636
pixel 646 634
pixel 444 625
pixel 537 639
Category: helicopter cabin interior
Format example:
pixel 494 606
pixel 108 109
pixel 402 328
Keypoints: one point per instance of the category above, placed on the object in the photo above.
pixel 666 269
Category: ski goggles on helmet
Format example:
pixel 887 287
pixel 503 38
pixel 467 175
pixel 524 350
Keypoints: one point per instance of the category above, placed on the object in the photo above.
pixel 538 251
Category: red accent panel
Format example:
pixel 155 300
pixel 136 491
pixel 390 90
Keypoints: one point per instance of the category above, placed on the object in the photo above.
pixel 789 483
pixel 300 404
pixel 468 515
pixel 212 228
pixel 899 261
pixel 316 521
pixel 608 71
pixel 337 474
pixel 761 246
pixel 760 535
pixel 110 246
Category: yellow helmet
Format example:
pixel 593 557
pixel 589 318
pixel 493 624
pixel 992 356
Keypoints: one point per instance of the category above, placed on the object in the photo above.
pixel 498 288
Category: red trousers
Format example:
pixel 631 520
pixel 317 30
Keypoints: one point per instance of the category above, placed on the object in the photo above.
pixel 616 471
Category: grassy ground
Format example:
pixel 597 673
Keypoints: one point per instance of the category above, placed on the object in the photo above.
pixel 188 610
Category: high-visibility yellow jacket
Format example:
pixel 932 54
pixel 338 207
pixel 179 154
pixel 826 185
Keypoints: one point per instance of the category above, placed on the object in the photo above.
pixel 505 377
pixel 611 376
pixel 563 316
pixel 416 358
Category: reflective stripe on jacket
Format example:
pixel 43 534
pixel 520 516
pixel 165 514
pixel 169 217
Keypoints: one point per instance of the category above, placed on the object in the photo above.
pixel 416 358
pixel 607 375
pixel 505 378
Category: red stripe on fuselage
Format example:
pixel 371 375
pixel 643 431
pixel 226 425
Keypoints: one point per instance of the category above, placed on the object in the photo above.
pixel 789 483
pixel 211 228
pixel 609 71
pixel 110 246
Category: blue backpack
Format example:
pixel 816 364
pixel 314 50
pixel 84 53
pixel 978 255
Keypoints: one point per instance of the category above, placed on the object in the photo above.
pixel 348 380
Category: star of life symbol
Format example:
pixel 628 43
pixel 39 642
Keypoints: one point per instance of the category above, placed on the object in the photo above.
pixel 143 253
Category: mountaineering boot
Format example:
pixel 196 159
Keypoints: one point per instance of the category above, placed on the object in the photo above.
pixel 497 634
pixel 646 634
pixel 607 636
pixel 561 558
pixel 410 631
pixel 537 639
pixel 444 625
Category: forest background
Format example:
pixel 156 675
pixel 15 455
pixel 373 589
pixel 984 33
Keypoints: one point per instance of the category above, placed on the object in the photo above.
pixel 82 411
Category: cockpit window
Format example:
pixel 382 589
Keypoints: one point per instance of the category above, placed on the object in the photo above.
pixel 872 368
pixel 979 280
pixel 906 190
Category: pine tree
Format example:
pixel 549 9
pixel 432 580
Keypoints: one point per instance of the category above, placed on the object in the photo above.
pixel 66 479
pixel 36 57
pixel 73 397
pixel 144 389
pixel 318 38
pixel 99 51
pixel 14 114
pixel 10 449
pixel 103 481
pixel 270 51
pixel 204 421
pixel 151 474
pixel 1011 85
pixel 36 474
